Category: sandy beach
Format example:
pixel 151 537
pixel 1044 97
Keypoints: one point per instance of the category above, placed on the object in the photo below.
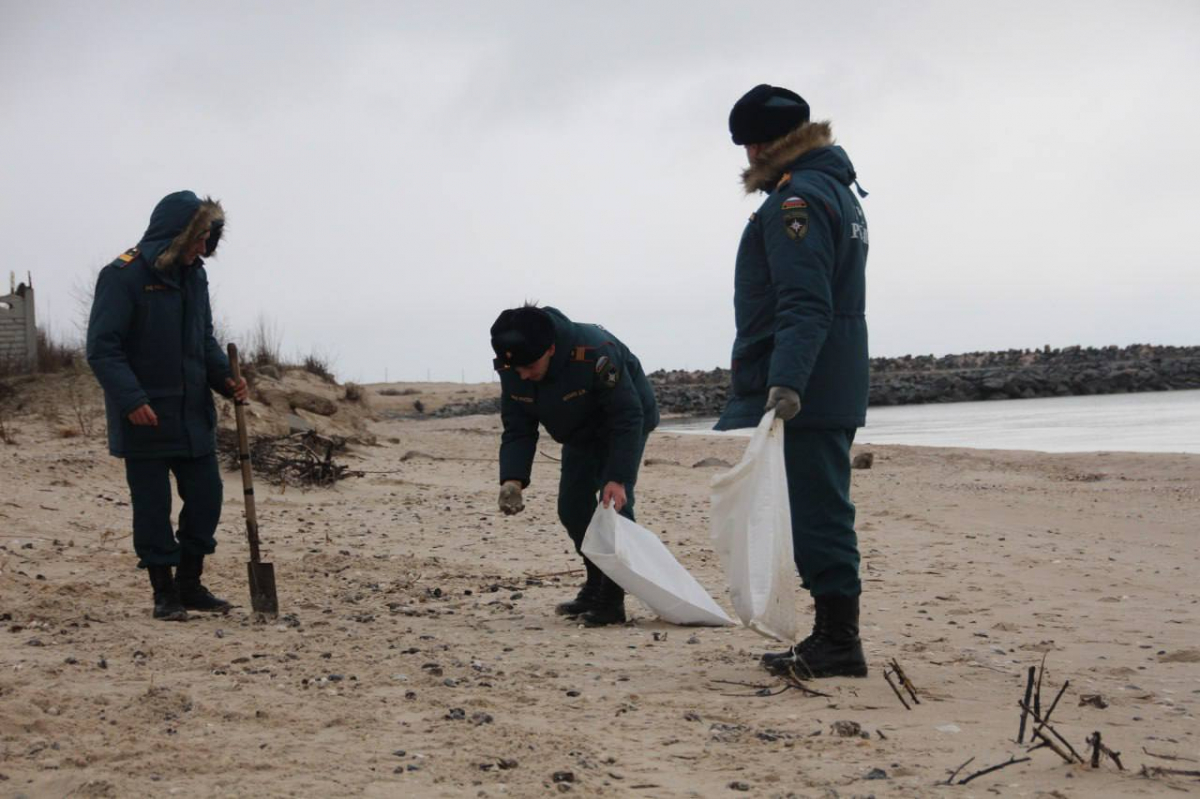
pixel 417 653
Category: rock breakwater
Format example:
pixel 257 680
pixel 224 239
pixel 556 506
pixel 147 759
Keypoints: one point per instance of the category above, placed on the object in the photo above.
pixel 968 377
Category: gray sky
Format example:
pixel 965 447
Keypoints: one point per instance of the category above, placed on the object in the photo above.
pixel 397 173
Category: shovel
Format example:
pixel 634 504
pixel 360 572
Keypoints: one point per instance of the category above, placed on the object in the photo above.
pixel 262 575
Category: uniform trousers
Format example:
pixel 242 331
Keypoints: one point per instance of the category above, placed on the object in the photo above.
pixel 823 539
pixel 198 481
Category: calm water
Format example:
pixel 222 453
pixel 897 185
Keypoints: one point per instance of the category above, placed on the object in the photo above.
pixel 1162 421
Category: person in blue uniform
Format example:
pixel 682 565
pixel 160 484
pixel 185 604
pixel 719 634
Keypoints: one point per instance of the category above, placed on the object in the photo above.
pixel 801 349
pixel 150 344
pixel 590 393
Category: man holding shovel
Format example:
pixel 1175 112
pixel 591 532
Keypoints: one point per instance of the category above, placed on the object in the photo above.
pixel 150 343
pixel 801 349
pixel 589 392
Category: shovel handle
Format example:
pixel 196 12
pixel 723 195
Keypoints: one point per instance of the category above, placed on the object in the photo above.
pixel 239 411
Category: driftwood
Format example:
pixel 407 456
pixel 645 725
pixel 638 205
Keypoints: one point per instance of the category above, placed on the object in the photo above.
pixel 990 769
pixel 1159 771
pixel 300 459
pixel 1043 724
pixel 904 681
pixel 1053 705
pixel 887 675
pixel 1025 704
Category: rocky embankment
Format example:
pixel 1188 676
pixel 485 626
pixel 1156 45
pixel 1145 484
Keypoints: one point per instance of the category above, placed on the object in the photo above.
pixel 1013 374
pixel 912 380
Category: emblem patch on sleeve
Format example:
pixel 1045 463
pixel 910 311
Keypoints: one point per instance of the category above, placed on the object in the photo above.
pixel 795 223
pixel 607 372
pixel 794 202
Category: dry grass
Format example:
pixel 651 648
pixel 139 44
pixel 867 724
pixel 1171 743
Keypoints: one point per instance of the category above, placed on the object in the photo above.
pixel 6 431
pixel 80 400
pixel 319 365
pixel 266 343
pixel 55 355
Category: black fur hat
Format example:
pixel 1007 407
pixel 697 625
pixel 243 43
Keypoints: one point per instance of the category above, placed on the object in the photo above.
pixel 765 113
pixel 521 335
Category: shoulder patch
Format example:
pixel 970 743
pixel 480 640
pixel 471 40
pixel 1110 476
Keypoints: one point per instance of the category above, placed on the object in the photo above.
pixel 607 372
pixel 580 354
pixel 794 202
pixel 795 223
pixel 124 259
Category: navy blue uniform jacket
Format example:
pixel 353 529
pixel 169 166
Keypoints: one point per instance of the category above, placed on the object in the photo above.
pixel 150 341
pixel 800 288
pixel 595 394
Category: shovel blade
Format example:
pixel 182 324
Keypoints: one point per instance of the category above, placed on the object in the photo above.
pixel 262 588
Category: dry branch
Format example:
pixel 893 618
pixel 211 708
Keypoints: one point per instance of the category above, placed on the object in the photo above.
pixel 1025 704
pixel 887 675
pixel 1046 725
pixel 300 459
pixel 990 769
pixel 907 683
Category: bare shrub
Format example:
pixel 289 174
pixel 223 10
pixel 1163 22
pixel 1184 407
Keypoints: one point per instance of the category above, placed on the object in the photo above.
pixel 79 400
pixel 319 365
pixel 355 393
pixel 266 343
pixel 54 355
pixel 10 367
pixel 6 432
pixel 82 293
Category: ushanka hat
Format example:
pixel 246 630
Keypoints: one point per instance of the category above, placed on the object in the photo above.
pixel 521 335
pixel 765 113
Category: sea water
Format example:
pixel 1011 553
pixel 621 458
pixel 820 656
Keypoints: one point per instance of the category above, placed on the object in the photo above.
pixel 1160 421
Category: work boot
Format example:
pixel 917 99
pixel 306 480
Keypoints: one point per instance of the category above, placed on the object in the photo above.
pixel 769 659
pixel 833 649
pixel 166 595
pixel 586 599
pixel 194 595
pixel 609 607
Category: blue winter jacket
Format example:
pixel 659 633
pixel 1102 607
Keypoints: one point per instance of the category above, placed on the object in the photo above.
pixel 594 395
pixel 800 288
pixel 150 337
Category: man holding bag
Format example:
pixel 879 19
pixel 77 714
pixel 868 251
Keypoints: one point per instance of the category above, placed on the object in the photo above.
pixel 801 349
pixel 589 392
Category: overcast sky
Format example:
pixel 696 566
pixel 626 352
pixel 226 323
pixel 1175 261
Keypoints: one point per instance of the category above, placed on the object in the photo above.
pixel 395 174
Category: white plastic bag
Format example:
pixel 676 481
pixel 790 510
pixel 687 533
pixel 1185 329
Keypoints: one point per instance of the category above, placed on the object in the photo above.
pixel 752 533
pixel 635 559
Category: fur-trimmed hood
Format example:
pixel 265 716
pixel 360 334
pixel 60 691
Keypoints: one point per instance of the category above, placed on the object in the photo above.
pixel 778 156
pixel 178 220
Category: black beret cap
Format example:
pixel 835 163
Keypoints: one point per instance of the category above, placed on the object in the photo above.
pixel 765 113
pixel 521 335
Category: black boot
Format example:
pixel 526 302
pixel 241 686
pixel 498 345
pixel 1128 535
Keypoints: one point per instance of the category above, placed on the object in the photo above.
pixel 588 595
pixel 834 648
pixel 194 595
pixel 609 607
pixel 166 595
pixel 771 658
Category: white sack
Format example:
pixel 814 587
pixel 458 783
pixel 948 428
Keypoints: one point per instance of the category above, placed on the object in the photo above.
pixel 635 559
pixel 752 533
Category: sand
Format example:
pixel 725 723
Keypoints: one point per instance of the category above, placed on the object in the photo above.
pixel 418 653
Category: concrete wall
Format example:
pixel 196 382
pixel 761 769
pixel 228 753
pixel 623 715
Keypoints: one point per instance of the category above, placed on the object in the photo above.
pixel 18 331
